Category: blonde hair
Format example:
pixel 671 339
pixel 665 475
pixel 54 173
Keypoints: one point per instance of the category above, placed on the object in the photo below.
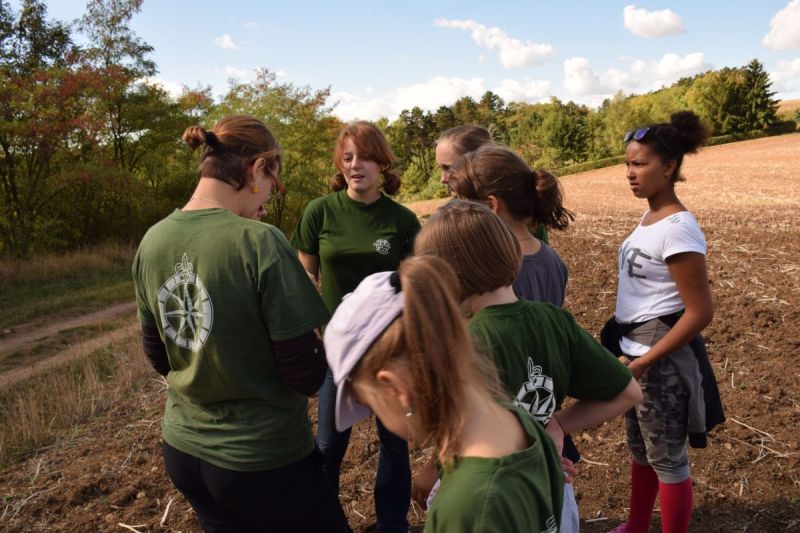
pixel 465 138
pixel 430 338
pixel 477 245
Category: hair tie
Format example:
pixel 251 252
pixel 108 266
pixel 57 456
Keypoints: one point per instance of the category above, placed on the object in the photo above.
pixel 394 281
pixel 211 138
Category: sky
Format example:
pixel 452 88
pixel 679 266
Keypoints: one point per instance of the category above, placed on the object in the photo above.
pixel 379 58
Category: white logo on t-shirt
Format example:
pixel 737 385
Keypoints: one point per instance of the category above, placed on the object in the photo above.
pixel 536 395
pixel 185 308
pixel 382 246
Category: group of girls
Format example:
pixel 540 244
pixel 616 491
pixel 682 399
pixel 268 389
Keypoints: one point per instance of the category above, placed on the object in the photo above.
pixel 463 348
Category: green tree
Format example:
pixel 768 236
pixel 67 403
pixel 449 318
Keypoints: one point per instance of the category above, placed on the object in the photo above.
pixel 301 121
pixel 42 104
pixel 760 105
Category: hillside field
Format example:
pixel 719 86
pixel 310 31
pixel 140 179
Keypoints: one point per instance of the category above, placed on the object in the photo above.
pixel 108 472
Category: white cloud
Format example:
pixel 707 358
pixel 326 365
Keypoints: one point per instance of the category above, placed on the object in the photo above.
pixel 787 77
pixel 531 91
pixel 226 42
pixel 784 30
pixel 641 75
pixel 513 52
pixel 172 89
pixel 580 79
pixel 280 73
pixel 241 74
pixel 431 94
pixel 644 23
pixel 250 25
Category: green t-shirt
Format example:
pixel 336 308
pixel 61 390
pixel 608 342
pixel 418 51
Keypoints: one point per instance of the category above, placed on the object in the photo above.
pixel 354 240
pixel 522 491
pixel 219 288
pixel 542 355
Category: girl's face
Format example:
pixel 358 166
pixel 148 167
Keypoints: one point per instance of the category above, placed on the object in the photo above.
pixel 647 175
pixel 445 158
pixel 363 177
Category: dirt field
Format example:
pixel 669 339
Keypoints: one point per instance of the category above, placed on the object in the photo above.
pixel 747 199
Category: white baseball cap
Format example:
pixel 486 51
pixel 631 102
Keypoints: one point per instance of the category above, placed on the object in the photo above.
pixel 360 319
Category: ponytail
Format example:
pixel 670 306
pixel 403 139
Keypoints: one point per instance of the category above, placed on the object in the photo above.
pixel 431 339
pixel 494 170
pixel 548 209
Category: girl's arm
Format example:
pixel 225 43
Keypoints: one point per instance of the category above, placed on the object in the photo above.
pixel 690 275
pixel 310 262
pixel 585 414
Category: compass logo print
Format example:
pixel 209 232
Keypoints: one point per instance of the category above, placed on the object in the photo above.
pixel 382 246
pixel 185 308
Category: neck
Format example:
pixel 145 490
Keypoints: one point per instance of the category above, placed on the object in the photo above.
pixel 528 244
pixel 365 197
pixel 489 430
pixel 665 200
pixel 210 193
pixel 503 295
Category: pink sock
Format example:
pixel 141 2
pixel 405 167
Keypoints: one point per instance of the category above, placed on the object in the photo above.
pixel 644 489
pixel 676 506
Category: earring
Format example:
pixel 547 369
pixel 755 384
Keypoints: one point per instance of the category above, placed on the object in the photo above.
pixel 254 189
pixel 409 413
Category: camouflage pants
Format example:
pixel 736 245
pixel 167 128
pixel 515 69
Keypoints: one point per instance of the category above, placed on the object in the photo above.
pixel 656 428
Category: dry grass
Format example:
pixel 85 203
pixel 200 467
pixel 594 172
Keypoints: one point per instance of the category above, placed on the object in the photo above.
pixel 59 267
pixel 788 107
pixel 36 412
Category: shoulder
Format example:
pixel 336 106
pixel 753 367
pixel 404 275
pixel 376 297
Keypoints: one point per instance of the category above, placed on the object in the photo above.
pixel 681 230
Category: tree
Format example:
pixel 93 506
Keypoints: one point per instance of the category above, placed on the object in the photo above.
pixel 718 98
pixel 301 121
pixel 760 106
pixel 42 104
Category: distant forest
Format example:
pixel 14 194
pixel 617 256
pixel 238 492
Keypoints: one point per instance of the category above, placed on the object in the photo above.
pixel 90 152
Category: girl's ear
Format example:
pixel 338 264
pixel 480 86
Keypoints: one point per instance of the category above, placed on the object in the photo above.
pixel 669 168
pixel 396 384
pixel 493 202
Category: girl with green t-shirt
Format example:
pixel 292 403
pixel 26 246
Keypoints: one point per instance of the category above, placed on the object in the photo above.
pixel 228 317
pixel 397 346
pixel 342 238
pixel 541 353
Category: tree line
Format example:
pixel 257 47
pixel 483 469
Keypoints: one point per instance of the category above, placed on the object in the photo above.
pixel 90 151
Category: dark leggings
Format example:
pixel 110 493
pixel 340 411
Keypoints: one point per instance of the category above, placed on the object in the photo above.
pixel 297 497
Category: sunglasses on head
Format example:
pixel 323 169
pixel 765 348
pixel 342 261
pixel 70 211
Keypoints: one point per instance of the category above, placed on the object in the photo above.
pixel 636 135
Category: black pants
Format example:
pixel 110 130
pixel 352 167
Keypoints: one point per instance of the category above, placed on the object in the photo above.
pixel 297 497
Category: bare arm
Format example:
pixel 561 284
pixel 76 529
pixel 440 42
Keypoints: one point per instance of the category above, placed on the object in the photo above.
pixel 310 262
pixel 690 275
pixel 585 414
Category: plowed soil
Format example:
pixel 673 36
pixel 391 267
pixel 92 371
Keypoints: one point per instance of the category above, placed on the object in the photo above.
pixel 746 197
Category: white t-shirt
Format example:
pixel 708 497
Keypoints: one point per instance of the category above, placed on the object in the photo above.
pixel 646 288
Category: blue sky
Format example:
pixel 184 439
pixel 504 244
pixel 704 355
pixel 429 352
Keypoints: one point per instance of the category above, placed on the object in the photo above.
pixel 381 57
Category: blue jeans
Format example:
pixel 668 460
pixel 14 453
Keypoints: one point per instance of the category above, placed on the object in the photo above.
pixel 393 482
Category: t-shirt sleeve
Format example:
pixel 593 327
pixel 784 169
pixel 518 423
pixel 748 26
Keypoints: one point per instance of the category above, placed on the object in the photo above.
pixel 306 233
pixel 683 235
pixel 595 374
pixel 143 311
pixel 289 303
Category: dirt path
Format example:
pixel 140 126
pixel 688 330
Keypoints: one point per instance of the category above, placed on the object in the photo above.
pixel 30 333
pixel 73 352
